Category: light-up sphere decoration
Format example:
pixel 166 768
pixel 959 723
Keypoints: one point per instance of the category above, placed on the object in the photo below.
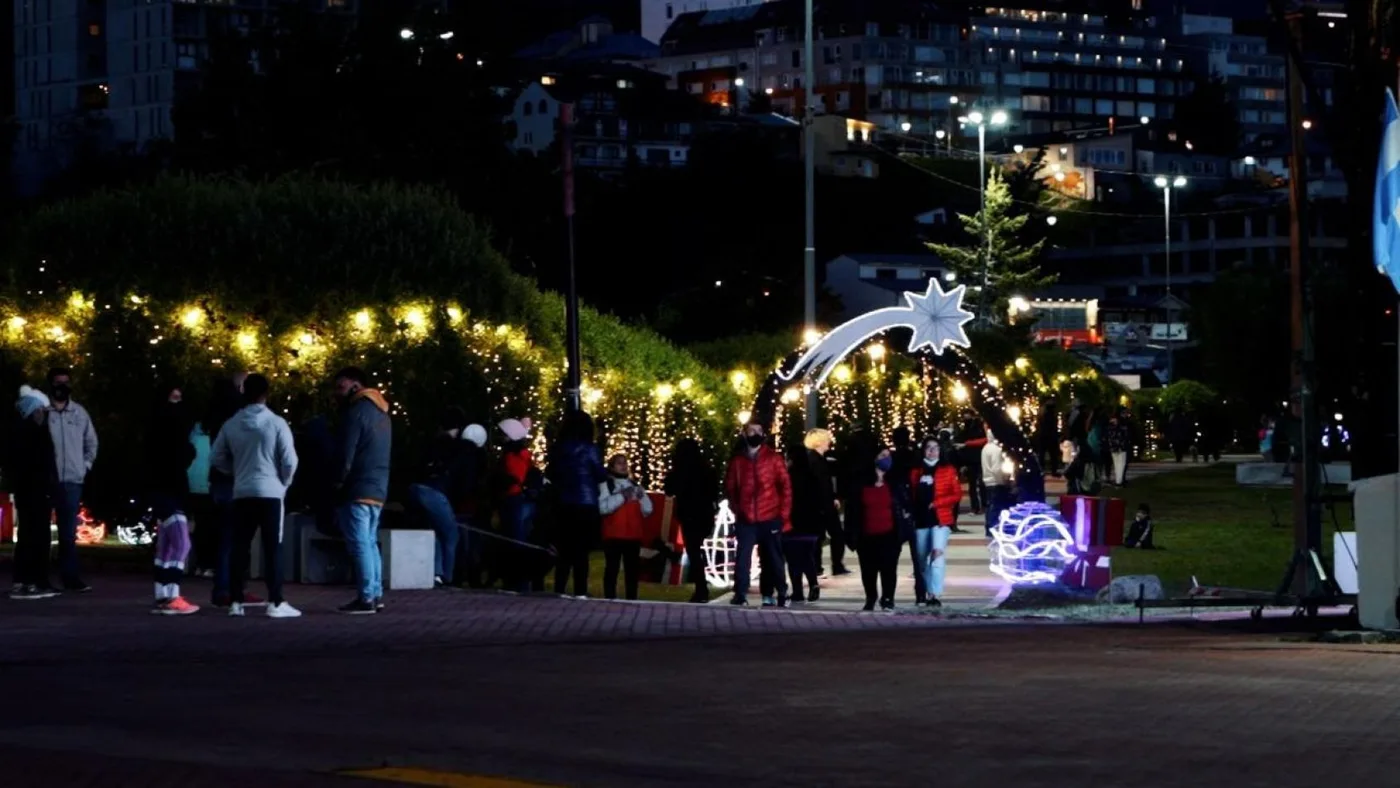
pixel 1031 543
pixel 721 549
pixel 140 533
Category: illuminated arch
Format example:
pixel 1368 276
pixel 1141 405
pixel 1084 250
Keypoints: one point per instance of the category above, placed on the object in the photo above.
pixel 936 319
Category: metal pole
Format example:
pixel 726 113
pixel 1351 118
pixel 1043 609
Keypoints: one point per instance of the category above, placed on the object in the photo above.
pixel 809 249
pixel 574 381
pixel 1167 218
pixel 986 231
pixel 1307 512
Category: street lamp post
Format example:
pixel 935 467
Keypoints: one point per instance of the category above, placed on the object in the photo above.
pixel 1166 186
pixel 809 250
pixel 952 111
pixel 998 118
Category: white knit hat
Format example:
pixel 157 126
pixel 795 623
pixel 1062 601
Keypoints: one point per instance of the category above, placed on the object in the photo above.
pixel 515 429
pixel 475 433
pixel 30 400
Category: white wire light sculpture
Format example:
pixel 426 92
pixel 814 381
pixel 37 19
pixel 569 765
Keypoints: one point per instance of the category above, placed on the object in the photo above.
pixel 1031 543
pixel 721 549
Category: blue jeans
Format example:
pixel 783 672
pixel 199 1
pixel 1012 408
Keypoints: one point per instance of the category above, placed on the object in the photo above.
pixel 66 500
pixel 518 520
pixel 931 557
pixel 434 508
pixel 769 538
pixel 999 499
pixel 221 493
pixel 360 524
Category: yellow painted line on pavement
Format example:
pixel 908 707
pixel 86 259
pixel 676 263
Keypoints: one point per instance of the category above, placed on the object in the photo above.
pixel 441 779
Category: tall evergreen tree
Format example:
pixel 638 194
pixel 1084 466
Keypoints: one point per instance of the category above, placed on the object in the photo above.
pixel 1009 266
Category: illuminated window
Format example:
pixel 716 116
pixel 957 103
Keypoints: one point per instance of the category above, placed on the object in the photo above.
pixel 94 30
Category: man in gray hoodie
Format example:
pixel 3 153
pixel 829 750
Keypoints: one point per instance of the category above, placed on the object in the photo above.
pixel 74 451
pixel 255 447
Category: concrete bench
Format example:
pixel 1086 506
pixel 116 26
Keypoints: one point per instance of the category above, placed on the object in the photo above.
pixel 407 554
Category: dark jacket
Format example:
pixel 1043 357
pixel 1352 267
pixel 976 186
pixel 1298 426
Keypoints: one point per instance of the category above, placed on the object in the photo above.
pixel 575 471
pixel 695 490
pixel 169 451
pixel 30 469
pixel 365 440
pixel 810 499
pixel 314 485
pixel 453 468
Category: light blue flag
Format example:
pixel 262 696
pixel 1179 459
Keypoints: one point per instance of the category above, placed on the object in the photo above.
pixel 1386 212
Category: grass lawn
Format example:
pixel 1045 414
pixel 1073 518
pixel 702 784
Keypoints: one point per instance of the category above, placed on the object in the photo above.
pixel 1220 532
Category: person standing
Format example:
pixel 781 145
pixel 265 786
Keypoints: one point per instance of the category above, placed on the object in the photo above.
pixel 818 443
pixel 934 495
pixel 1047 437
pixel 575 473
pixel 1119 441
pixel 521 482
pixel 874 517
pixel 31 474
pixel 760 493
pixel 224 404
pixel 693 484
pixel 256 449
pixel 623 506
pixel 362 483
pixel 801 545
pixel 971 438
pixel 997 481
pixel 169 455
pixel 75 450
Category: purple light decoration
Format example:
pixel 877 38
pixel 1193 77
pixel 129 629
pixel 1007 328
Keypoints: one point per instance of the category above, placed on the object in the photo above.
pixel 1031 543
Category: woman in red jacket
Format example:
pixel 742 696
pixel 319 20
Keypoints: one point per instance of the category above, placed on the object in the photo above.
pixel 624 505
pixel 935 493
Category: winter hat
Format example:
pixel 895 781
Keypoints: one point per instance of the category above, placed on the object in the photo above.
pixel 515 429
pixel 30 400
pixel 475 433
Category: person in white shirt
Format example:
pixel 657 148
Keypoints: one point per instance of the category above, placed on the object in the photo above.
pixel 255 447
pixel 997 479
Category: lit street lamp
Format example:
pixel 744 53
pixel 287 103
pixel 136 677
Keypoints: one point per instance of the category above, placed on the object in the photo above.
pixel 406 34
pixel 1166 186
pixel 998 118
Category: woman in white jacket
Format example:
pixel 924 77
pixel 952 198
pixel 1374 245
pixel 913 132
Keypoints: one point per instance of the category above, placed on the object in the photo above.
pixel 623 505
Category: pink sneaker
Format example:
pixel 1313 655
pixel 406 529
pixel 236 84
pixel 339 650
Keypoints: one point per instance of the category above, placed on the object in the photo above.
pixel 178 606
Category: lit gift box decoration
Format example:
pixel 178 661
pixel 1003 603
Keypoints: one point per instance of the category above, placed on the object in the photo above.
pixel 1031 544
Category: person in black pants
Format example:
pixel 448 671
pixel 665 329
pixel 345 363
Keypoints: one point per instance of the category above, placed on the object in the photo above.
pixel 971 438
pixel 693 484
pixel 875 525
pixel 31 474
pixel 801 544
pixel 576 471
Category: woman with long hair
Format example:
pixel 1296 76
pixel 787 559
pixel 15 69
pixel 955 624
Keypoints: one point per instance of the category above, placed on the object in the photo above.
pixel 935 494
pixel 693 483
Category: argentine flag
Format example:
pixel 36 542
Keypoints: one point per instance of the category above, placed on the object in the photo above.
pixel 1386 212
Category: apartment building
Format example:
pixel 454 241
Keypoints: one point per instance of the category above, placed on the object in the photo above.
pixel 107 73
pixel 657 15
pixel 889 63
pixel 1082 65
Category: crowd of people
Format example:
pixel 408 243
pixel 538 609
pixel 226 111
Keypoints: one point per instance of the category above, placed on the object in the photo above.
pixel 503 516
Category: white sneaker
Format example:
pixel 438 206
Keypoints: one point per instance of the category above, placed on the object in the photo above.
pixel 236 609
pixel 282 610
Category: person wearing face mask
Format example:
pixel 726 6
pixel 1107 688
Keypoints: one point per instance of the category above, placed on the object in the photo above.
pixel 623 505
pixel 760 495
pixel 75 450
pixel 874 519
pixel 935 494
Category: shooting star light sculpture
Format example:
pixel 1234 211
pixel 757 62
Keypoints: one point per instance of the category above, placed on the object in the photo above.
pixel 936 317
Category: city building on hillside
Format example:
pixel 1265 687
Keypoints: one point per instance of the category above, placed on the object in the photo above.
pixel 865 281
pixel 592 41
pixel 657 15
pixel 844 147
pixel 623 116
pixel 106 74
pixel 1081 65
pixel 888 63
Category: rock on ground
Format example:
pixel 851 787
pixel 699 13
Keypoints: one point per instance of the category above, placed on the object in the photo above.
pixel 1044 595
pixel 1124 590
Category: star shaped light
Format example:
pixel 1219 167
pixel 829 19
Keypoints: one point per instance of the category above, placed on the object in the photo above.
pixel 938 318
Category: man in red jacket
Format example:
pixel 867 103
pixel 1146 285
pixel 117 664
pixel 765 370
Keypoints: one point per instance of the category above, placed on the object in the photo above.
pixel 760 495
